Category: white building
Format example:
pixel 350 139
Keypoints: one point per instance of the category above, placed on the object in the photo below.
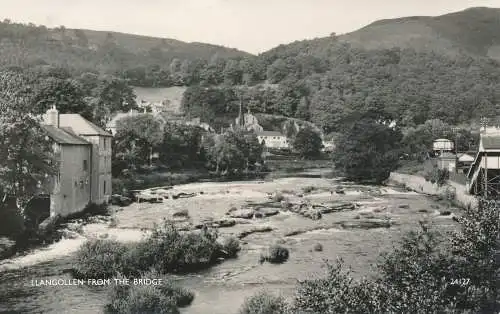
pixel 273 139
pixel 83 153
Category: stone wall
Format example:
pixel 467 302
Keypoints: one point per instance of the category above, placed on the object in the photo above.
pixel 419 185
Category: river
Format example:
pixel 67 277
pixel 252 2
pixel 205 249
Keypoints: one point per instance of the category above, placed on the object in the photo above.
pixel 224 287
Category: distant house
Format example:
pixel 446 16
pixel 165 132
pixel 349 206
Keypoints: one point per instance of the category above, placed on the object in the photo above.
pixel 273 139
pixel 84 152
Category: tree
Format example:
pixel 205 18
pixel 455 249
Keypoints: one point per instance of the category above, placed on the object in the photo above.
pixel 277 71
pixel 113 95
pixel 308 143
pixel 368 151
pixel 137 138
pixel 303 110
pixel 181 146
pixel 26 159
pixel 66 94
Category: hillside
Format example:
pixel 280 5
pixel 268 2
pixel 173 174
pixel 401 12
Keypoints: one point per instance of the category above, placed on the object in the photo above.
pixel 474 31
pixel 412 69
pixel 85 50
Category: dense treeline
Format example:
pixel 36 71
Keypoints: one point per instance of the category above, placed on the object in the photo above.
pixel 327 84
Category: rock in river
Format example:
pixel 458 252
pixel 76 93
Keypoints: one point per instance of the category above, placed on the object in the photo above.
pixel 242 213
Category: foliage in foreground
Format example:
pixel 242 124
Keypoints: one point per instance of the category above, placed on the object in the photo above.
pixel 265 303
pixel 167 250
pixel 164 298
pixel 428 272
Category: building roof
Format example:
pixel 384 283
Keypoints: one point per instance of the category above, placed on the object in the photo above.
pixel 63 136
pixel 269 133
pixel 80 125
pixel 490 141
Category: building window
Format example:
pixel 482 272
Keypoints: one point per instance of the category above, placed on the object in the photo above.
pixel 104 190
pixel 85 165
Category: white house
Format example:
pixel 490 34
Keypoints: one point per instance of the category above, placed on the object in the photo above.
pixel 273 139
pixel 83 153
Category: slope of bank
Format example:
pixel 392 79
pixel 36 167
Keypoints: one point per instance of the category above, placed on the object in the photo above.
pixel 451 191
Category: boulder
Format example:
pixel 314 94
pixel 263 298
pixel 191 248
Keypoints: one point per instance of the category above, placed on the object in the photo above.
pixel 367 224
pixel 242 213
pixel 183 195
pixel 267 212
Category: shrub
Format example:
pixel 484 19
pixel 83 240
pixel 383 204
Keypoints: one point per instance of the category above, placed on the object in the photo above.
pixel 278 197
pixel 425 272
pixel 264 303
pixel 99 259
pixel 231 246
pixel 276 254
pixel 437 175
pixel 170 251
pixel 308 189
pixel 337 293
pixel 140 299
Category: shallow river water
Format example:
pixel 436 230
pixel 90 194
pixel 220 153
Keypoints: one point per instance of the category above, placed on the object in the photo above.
pixel 223 288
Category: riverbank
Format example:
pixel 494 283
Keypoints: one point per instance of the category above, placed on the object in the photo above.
pixel 450 191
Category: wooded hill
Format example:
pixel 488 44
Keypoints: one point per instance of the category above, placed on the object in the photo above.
pixel 87 50
pixel 412 69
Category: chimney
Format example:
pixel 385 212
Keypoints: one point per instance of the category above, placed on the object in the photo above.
pixel 52 117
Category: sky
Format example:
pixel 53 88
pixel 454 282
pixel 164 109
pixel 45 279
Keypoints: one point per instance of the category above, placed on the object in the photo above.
pixel 250 25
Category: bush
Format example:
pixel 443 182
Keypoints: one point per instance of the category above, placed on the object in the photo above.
pixel 99 259
pixel 276 254
pixel 170 251
pixel 426 273
pixel 437 175
pixel 140 299
pixel 278 197
pixel 231 246
pixel 308 189
pixel 264 303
